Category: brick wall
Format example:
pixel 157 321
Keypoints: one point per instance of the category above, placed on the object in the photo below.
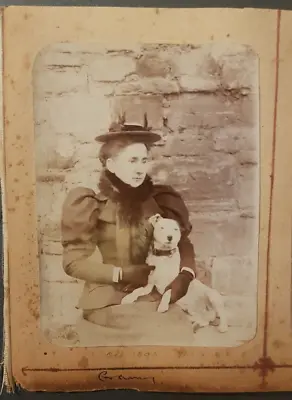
pixel 204 100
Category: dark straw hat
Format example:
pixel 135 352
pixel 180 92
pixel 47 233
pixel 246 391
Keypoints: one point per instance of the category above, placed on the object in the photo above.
pixel 139 133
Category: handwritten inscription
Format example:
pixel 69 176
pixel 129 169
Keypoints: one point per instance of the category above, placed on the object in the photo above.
pixel 105 376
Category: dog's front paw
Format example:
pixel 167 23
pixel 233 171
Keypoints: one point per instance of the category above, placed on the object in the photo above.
pixel 162 308
pixel 128 299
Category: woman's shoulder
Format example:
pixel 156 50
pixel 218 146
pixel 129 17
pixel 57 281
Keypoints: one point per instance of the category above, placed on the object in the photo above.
pixel 82 201
pixel 81 209
pixel 80 194
pixel 172 203
pixel 167 191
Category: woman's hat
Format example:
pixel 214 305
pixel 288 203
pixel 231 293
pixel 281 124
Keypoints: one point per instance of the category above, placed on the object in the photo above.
pixel 136 132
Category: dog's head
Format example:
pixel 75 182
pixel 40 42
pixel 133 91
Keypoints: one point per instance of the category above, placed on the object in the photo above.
pixel 166 232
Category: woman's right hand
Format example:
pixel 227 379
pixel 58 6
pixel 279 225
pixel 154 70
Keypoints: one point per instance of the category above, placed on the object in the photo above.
pixel 136 275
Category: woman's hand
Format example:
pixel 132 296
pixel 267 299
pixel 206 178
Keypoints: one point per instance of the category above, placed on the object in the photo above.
pixel 179 286
pixel 136 275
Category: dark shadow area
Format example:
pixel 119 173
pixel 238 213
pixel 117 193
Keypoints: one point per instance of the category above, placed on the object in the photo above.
pixel 280 4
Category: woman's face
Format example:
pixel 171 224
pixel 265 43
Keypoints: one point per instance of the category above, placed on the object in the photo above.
pixel 131 164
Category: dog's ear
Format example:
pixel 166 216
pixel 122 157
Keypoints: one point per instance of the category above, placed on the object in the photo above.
pixel 154 219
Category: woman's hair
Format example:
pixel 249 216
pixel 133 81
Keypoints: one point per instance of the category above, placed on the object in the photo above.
pixel 112 148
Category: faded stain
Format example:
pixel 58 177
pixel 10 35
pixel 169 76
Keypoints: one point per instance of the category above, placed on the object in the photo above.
pixel 26 62
pixel 181 352
pixel 32 307
pixel 83 362
pixel 27 16
pixel 278 344
pixel 12 83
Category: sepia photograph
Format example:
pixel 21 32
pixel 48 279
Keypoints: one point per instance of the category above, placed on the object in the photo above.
pixel 147 181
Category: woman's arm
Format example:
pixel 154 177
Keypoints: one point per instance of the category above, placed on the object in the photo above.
pixel 187 253
pixel 81 256
pixel 83 262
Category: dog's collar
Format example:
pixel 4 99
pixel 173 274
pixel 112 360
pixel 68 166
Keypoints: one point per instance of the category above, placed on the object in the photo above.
pixel 160 253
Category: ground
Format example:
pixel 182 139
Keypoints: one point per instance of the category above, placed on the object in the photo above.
pixel 205 337
pixel 236 336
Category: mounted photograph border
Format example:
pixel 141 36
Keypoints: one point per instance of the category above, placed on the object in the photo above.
pixel 100 368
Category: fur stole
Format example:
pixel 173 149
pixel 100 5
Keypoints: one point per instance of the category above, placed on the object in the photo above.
pixel 130 199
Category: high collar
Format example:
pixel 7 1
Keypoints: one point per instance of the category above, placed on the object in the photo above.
pixel 130 199
pixel 112 187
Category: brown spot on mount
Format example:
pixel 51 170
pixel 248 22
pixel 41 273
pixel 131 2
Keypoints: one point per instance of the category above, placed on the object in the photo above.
pixel 83 362
pixel 264 365
pixel 181 352
pixel 32 309
pixel 26 16
pixel 26 61
pixel 278 344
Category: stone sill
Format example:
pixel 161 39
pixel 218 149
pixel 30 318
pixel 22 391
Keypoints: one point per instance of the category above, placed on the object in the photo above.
pixel 51 175
pixel 69 280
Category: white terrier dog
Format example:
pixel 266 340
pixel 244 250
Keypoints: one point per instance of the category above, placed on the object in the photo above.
pixel 202 303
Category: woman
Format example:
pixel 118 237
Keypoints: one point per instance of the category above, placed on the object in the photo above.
pixel 106 236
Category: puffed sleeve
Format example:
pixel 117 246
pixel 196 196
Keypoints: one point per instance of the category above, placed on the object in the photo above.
pixel 81 256
pixel 173 206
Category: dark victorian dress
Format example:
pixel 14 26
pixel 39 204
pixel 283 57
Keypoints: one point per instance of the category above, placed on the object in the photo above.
pixel 106 229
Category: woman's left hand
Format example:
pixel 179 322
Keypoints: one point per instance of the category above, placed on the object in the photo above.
pixel 179 286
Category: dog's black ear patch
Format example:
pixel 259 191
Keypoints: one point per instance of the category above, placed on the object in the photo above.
pixel 155 218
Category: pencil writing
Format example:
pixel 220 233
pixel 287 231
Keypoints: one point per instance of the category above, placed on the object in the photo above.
pixel 104 376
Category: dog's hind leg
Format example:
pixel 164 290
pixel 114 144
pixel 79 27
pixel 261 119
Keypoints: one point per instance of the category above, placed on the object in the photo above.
pixel 219 307
pixel 141 291
pixel 197 321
